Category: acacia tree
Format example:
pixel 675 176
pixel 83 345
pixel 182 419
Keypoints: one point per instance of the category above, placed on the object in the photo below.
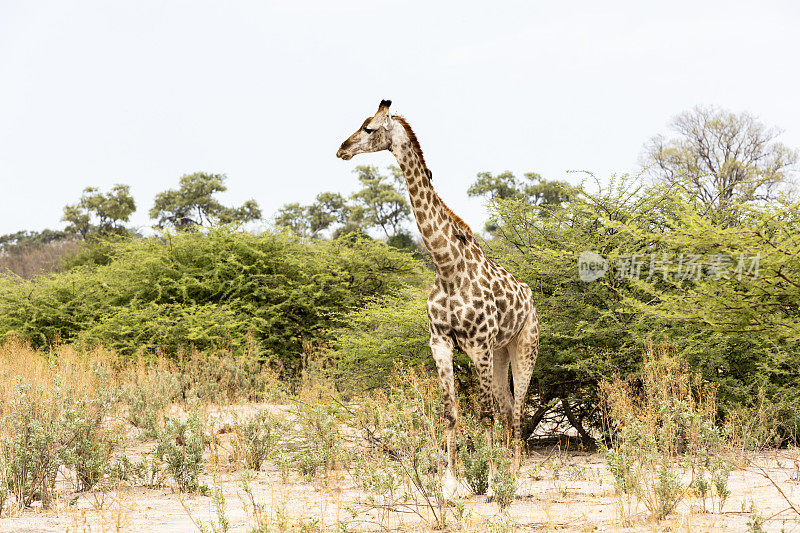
pixel 721 158
pixel 381 202
pixel 328 209
pixel 110 210
pixel 532 189
pixel 193 204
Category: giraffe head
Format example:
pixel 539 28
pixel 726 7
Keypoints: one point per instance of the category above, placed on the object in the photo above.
pixel 374 135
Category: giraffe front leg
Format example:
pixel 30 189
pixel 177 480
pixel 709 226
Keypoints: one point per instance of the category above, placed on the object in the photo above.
pixel 484 364
pixel 443 357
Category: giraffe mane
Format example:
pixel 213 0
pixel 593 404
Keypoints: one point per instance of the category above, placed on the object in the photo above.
pixel 414 141
pixel 418 149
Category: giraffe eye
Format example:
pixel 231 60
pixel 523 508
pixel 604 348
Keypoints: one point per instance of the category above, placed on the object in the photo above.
pixel 368 130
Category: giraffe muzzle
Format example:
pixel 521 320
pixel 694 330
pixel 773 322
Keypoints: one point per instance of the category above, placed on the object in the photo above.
pixel 341 153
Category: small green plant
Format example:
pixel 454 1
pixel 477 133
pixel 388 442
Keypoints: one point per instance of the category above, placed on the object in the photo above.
pixel 755 522
pixel 403 463
pixel 89 445
pixel 719 478
pixel 795 477
pixel 31 449
pixel 475 457
pixel 147 394
pixel 668 491
pixel 504 483
pixel 257 511
pixel 502 524
pixel 658 434
pixel 575 472
pixel 256 438
pixel 461 514
pixel 222 523
pixel 316 445
pixel 180 446
pixel 701 487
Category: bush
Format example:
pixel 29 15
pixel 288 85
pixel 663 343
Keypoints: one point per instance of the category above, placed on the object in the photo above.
pixel 380 335
pixel 403 466
pixel 180 447
pixel 741 334
pixel 504 484
pixel 52 415
pixel 205 290
pixel 32 448
pixel 89 446
pixel 316 441
pixel 475 457
pixel 256 438
pixel 658 433
pixel 148 390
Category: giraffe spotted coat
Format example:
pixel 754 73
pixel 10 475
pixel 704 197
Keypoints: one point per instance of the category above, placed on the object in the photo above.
pixel 475 304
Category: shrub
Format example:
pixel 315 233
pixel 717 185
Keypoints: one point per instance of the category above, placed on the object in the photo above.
pixel 402 467
pixel 741 334
pixel 89 446
pixel 504 484
pixel 316 441
pixel 660 432
pixel 51 410
pixel 222 375
pixel 180 447
pixel 32 446
pixel 475 457
pixel 380 335
pixel 147 390
pixel 205 290
pixel 255 438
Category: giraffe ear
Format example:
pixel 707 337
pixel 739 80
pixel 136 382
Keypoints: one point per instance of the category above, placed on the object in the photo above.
pixel 383 116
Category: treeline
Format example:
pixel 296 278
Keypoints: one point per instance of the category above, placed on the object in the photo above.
pixel 699 252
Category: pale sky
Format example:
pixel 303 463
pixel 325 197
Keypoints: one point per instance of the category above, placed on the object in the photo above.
pixel 141 92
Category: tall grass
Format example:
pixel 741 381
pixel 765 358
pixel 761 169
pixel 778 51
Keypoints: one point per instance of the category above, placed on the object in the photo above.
pixel 52 411
pixel 661 439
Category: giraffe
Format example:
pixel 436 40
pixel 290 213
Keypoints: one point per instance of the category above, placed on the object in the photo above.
pixel 475 304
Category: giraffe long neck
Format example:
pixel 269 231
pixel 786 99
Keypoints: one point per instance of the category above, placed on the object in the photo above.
pixel 441 234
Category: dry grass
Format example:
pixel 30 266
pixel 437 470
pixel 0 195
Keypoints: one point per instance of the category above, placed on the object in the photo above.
pixel 375 463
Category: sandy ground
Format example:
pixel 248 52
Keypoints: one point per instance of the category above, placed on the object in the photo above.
pixel 558 490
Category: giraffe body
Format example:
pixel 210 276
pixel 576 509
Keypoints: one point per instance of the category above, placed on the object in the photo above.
pixel 475 304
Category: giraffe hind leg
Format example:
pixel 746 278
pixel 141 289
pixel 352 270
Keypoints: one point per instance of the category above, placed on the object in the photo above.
pixel 502 391
pixel 523 351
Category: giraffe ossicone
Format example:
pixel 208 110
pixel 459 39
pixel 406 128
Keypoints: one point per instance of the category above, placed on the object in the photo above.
pixel 475 304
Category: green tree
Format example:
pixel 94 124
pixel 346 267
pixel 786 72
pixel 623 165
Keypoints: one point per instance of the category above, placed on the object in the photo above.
pixel 311 220
pixel 329 208
pixel 504 185
pixel 293 217
pixel 193 204
pixel 532 188
pixel 110 210
pixel 381 202
pixel 721 158
pixel 21 240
